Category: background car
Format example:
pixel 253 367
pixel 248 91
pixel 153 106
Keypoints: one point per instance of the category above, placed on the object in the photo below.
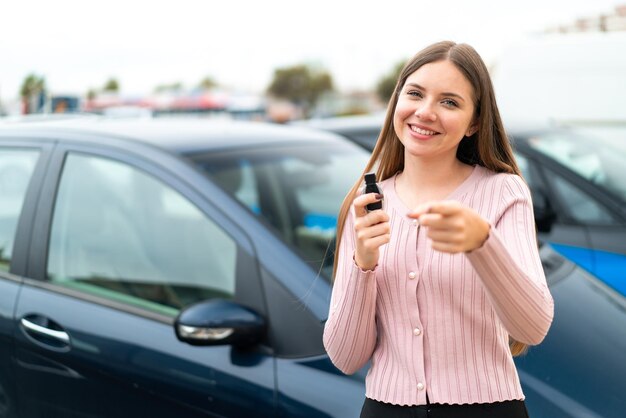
pixel 167 268
pixel 577 181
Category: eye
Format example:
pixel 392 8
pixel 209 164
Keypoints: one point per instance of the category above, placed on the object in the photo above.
pixel 450 103
pixel 414 93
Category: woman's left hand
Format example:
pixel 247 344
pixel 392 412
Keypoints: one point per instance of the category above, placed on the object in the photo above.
pixel 452 227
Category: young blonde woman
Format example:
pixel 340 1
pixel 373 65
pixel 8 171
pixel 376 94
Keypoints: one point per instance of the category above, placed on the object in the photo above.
pixel 442 286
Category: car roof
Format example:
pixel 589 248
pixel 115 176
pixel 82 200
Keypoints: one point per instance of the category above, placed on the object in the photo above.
pixel 177 134
pixel 346 123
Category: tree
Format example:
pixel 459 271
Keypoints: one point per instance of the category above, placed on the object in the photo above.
pixel 300 85
pixel 207 83
pixel 387 84
pixel 32 90
pixel 168 87
pixel 112 85
pixel 91 94
pixel 32 85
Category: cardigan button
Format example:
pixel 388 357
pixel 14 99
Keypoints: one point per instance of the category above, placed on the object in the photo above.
pixel 412 275
pixel 420 386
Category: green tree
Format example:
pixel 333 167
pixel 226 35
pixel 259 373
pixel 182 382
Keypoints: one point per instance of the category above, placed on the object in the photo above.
pixel 112 85
pixel 168 87
pixel 91 94
pixel 300 85
pixel 207 83
pixel 32 85
pixel 387 84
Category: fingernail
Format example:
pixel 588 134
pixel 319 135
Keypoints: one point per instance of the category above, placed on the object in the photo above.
pixel 379 196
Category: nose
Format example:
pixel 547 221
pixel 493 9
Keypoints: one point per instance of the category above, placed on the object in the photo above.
pixel 426 112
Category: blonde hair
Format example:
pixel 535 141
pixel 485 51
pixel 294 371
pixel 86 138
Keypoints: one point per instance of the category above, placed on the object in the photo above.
pixel 488 146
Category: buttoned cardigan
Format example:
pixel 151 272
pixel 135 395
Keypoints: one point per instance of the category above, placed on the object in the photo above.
pixel 437 323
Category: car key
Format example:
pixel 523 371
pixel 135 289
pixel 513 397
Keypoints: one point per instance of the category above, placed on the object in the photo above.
pixel 372 187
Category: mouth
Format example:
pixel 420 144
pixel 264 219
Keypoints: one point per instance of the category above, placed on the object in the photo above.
pixel 422 131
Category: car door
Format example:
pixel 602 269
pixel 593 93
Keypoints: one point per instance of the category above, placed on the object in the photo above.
pixel 605 228
pixel 120 245
pixel 576 220
pixel 553 224
pixel 21 171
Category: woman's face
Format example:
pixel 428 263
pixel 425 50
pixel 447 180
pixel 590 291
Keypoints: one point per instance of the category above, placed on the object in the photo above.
pixel 435 110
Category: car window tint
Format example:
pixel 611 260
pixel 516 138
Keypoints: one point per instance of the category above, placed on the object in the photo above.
pixel 598 158
pixel 120 233
pixel 524 166
pixel 530 174
pixel 580 206
pixel 297 190
pixel 16 169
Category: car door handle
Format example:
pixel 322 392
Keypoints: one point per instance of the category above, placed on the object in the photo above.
pixel 38 329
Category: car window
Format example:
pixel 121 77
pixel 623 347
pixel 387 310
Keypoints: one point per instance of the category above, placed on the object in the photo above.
pixel 580 206
pixel 16 169
pixel 296 190
pixel 598 158
pixel 122 234
pixel 524 166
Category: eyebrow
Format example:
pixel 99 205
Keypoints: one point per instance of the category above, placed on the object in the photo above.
pixel 448 94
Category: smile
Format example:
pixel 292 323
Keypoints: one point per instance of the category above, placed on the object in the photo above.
pixel 422 131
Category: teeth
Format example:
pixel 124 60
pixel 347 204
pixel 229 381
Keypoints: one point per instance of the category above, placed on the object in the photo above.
pixel 422 131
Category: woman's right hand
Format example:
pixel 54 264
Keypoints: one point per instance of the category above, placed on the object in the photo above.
pixel 371 230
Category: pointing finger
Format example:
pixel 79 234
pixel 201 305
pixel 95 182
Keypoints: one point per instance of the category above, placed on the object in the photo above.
pixel 442 207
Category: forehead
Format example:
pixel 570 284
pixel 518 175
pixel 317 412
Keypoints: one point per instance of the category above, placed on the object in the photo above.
pixel 441 76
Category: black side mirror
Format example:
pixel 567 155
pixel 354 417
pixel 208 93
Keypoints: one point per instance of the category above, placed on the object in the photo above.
pixel 545 216
pixel 219 322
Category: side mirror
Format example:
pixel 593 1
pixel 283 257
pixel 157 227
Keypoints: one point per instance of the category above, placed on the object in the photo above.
pixel 219 322
pixel 545 216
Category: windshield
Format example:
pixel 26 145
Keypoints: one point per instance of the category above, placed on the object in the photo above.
pixel 298 190
pixel 596 156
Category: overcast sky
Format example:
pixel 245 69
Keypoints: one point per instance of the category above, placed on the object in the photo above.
pixel 78 44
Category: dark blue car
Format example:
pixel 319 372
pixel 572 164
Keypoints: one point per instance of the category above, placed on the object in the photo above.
pixel 181 268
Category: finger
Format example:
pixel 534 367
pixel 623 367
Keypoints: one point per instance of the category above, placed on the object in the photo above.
pixel 443 236
pixel 445 247
pixel 363 200
pixel 442 207
pixel 373 231
pixel 432 220
pixel 420 210
pixel 371 218
pixel 441 222
pixel 376 242
pixel 445 207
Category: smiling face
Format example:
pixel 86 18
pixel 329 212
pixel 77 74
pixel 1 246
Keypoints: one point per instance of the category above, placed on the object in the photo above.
pixel 435 110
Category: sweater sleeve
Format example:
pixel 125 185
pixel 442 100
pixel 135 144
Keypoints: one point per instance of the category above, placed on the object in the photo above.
pixel 510 269
pixel 350 331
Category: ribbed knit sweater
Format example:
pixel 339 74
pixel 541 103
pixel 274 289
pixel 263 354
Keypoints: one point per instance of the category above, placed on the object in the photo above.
pixel 439 323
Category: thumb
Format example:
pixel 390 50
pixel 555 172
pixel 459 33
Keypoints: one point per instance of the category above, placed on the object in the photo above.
pixel 420 210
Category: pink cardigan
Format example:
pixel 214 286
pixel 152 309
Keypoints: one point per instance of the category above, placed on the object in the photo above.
pixel 438 323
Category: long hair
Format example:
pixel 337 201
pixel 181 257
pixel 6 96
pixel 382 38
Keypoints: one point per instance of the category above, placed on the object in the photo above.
pixel 488 146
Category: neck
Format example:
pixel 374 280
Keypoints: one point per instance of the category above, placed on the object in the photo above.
pixel 427 180
pixel 433 173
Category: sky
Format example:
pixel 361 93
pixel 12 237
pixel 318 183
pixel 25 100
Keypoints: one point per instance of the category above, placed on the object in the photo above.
pixel 77 45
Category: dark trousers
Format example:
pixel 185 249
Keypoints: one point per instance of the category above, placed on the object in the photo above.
pixel 506 409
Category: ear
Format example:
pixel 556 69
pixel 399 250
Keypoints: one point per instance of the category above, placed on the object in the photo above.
pixel 473 128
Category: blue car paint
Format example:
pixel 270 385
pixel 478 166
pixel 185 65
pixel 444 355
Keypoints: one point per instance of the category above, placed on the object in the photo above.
pixel 321 221
pixel 607 266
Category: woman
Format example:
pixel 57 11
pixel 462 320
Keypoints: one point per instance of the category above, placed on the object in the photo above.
pixel 441 287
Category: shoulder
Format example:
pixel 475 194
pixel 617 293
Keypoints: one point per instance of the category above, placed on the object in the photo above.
pixel 388 182
pixel 504 184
